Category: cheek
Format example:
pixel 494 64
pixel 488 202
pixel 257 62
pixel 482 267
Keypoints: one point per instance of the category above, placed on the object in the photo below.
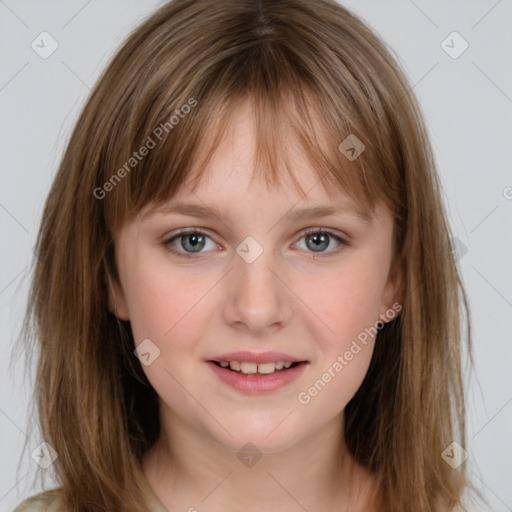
pixel 328 392
pixel 346 302
pixel 350 309
pixel 163 304
pixel 169 309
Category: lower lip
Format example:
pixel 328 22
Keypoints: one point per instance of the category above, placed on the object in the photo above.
pixel 254 384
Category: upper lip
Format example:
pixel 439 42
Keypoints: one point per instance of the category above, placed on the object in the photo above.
pixel 254 357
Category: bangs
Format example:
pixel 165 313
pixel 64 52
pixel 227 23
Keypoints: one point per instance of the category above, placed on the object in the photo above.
pixel 183 124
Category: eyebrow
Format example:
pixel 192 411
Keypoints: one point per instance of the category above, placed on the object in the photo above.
pixel 200 211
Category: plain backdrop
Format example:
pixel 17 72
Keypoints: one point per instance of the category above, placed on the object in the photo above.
pixel 466 98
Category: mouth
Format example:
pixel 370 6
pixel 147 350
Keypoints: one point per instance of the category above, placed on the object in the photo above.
pixel 259 369
pixel 253 378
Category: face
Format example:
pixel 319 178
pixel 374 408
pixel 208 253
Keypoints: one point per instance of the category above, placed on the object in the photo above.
pixel 254 279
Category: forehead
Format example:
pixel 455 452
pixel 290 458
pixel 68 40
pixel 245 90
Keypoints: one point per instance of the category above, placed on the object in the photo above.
pixel 231 173
pixel 229 189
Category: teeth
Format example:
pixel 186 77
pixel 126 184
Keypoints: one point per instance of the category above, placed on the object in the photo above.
pixel 247 368
pixel 267 367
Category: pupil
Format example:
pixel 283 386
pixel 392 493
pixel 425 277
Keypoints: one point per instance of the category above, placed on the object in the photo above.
pixel 320 238
pixel 196 241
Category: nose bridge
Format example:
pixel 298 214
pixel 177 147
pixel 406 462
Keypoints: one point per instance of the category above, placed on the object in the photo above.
pixel 256 296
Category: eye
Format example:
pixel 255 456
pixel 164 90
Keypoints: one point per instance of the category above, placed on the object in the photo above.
pixel 319 239
pixel 189 242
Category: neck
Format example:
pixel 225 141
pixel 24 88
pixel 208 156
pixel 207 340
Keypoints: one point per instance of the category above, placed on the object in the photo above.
pixel 188 469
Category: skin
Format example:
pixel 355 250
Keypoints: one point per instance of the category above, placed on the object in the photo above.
pixel 290 299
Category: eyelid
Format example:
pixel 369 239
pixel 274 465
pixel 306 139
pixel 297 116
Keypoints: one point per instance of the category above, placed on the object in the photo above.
pixel 186 231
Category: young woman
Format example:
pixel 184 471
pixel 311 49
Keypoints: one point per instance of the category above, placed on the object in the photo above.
pixel 244 295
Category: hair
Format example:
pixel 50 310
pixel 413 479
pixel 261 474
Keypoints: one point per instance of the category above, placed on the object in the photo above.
pixel 313 71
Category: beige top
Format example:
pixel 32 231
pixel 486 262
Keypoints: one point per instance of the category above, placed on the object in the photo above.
pixel 51 501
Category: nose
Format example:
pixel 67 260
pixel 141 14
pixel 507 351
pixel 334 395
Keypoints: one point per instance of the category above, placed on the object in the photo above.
pixel 257 298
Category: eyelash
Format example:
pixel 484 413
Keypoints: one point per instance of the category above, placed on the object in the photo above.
pixel 310 231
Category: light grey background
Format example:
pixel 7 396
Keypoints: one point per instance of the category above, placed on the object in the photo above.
pixel 467 102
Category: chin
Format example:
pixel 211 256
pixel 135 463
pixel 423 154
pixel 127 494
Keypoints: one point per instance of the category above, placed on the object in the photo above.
pixel 269 436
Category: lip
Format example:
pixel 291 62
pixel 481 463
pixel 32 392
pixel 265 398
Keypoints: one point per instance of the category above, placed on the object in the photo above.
pixel 261 357
pixel 257 384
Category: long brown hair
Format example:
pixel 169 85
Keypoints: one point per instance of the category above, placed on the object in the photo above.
pixel 317 69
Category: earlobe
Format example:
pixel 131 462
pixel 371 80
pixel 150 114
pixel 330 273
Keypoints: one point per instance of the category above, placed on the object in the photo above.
pixel 116 301
pixel 392 297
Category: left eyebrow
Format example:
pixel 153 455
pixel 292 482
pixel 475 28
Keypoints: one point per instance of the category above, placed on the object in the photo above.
pixel 200 211
pixel 326 211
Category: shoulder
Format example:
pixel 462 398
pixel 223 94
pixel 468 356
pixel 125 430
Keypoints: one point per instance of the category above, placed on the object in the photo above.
pixel 48 501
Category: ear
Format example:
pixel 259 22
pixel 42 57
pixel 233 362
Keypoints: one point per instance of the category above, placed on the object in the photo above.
pixel 116 300
pixel 393 293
